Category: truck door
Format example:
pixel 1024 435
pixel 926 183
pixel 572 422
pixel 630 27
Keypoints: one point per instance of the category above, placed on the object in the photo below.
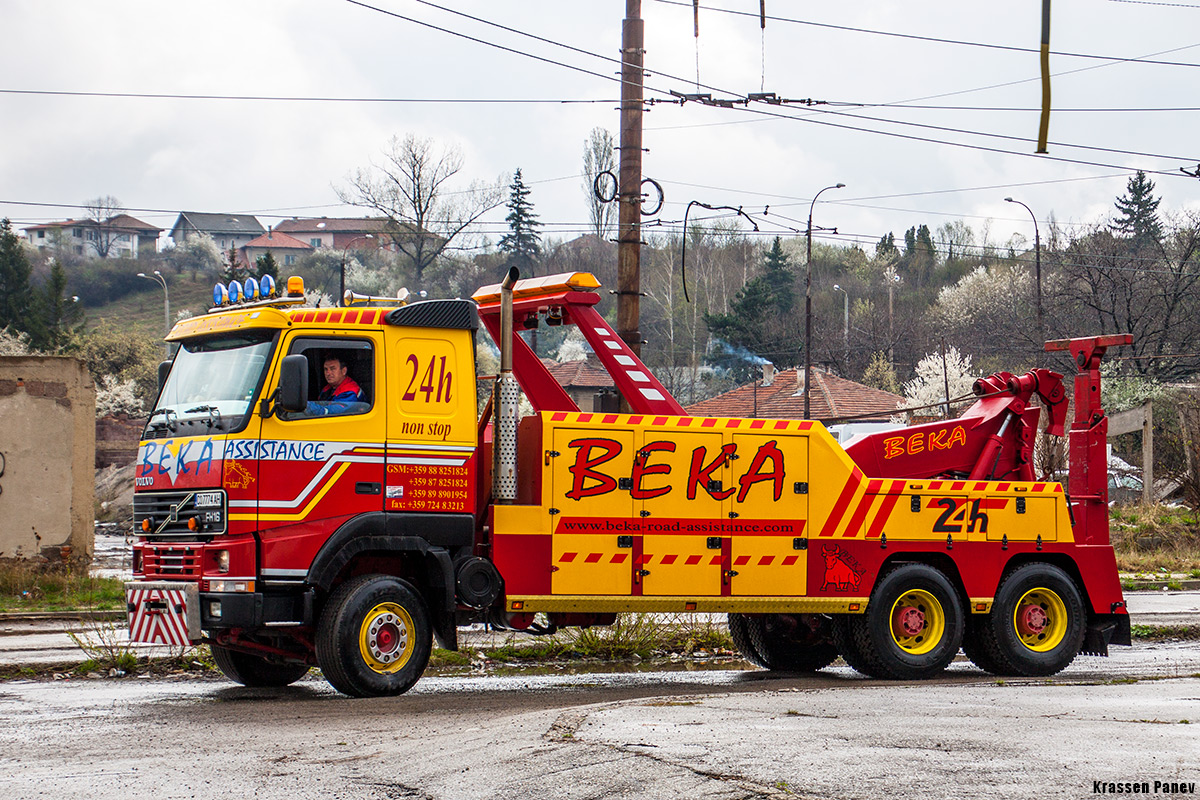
pixel 680 484
pixel 769 515
pixel 595 531
pixel 321 467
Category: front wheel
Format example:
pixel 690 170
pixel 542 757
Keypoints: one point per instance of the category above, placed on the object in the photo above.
pixel 1036 627
pixel 251 670
pixel 374 637
pixel 913 625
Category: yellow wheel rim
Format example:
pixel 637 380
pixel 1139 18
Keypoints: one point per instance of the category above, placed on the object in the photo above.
pixel 918 622
pixel 385 638
pixel 1040 619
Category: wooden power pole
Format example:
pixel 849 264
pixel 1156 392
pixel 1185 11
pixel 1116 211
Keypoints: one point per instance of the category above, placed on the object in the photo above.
pixel 629 190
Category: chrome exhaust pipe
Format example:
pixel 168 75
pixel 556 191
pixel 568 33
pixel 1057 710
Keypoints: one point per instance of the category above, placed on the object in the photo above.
pixel 506 404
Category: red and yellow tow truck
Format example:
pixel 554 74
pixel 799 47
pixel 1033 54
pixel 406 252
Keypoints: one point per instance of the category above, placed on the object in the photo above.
pixel 286 532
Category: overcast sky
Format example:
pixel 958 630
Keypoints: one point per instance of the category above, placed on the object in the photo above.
pixel 277 158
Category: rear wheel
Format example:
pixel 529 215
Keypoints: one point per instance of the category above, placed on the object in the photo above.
pixel 792 642
pixel 913 626
pixel 374 637
pixel 252 670
pixel 1037 622
pixel 740 633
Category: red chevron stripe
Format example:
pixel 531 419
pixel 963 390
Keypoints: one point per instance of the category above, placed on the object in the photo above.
pixel 843 501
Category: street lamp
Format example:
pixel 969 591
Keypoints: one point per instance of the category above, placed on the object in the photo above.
pixel 1037 251
pixel 845 319
pixel 892 279
pixel 161 281
pixel 342 282
pixel 808 302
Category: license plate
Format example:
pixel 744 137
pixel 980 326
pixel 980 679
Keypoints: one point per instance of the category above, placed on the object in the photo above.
pixel 163 612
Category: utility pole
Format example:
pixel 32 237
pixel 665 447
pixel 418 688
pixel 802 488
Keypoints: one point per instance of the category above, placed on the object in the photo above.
pixel 629 189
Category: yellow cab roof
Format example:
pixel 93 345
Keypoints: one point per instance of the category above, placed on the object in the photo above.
pixel 268 317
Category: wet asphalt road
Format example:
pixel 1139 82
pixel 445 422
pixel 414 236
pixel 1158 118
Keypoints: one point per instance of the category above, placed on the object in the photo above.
pixel 713 734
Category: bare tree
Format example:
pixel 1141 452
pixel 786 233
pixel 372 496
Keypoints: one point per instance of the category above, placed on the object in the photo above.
pixel 598 158
pixel 411 189
pixel 103 232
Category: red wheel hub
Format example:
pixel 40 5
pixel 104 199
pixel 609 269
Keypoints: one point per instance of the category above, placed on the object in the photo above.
pixel 387 638
pixel 1032 620
pixel 909 621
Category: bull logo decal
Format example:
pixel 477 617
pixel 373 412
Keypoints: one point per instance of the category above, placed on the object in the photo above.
pixel 237 476
pixel 840 569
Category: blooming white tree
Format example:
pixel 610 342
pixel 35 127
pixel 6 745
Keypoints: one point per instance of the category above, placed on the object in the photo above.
pixel 114 396
pixel 929 385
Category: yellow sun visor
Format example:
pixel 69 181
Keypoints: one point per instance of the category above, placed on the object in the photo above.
pixel 235 319
pixel 535 287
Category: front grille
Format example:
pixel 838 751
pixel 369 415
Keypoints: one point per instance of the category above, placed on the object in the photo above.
pixel 169 512
pixel 170 561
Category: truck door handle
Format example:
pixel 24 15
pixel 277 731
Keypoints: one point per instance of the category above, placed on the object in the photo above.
pixel 366 487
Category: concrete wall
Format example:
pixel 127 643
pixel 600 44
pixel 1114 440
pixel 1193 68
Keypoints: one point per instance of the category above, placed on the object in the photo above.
pixel 48 443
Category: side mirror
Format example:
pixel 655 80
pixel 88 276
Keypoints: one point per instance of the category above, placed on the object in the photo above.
pixel 293 383
pixel 164 369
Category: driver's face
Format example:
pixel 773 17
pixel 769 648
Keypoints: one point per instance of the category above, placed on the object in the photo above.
pixel 335 372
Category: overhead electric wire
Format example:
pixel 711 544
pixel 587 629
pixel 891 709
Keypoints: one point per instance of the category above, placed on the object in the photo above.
pixel 933 39
pixel 299 99
pixel 495 45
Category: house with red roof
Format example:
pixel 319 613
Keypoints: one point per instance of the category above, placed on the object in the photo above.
pixel 287 250
pixel 120 236
pixel 780 395
pixel 582 380
pixel 362 233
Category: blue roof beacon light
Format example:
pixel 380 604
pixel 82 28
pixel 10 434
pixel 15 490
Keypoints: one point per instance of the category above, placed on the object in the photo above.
pixel 235 292
pixel 220 295
pixel 251 288
pixel 267 285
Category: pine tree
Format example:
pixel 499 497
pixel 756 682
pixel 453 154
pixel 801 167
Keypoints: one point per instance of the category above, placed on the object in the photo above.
pixel 886 246
pixel 232 268
pixel 16 295
pixel 59 316
pixel 761 324
pixel 522 244
pixel 267 265
pixel 1138 212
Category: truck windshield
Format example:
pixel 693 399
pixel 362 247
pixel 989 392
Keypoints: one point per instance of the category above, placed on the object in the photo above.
pixel 212 382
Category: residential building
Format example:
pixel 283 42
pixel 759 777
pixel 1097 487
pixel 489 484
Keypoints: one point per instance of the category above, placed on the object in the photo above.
pixel 121 236
pixel 287 250
pixel 780 395
pixel 229 231
pixel 585 381
pixel 364 233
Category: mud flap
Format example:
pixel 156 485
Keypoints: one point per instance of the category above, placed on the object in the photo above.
pixel 441 598
pixel 1105 630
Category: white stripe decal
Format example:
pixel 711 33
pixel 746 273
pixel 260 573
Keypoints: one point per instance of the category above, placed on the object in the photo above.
pixel 312 485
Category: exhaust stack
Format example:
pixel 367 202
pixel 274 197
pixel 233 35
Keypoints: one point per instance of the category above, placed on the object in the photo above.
pixel 506 402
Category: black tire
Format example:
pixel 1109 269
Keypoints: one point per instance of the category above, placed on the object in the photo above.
pixel 913 626
pixel 846 646
pixel 1037 623
pixel 740 633
pixel 791 642
pixel 374 637
pixel 976 648
pixel 252 670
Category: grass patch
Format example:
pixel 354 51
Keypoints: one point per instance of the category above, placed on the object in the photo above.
pixel 26 587
pixel 1156 538
pixel 1163 633
pixel 631 637
pixel 440 658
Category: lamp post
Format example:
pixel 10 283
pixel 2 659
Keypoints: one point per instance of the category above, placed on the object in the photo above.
pixel 342 283
pixel 845 319
pixel 1037 255
pixel 808 302
pixel 161 281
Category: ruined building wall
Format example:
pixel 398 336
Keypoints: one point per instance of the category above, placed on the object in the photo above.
pixel 47 448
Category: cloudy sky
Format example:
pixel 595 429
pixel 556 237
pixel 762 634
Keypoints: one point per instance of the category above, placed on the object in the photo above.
pixel 278 158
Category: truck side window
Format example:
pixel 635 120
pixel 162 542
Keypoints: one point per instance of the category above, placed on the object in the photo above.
pixel 341 377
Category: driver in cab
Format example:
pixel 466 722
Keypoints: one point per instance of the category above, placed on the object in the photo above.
pixel 341 394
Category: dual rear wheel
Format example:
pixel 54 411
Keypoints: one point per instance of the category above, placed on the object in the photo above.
pixel 915 624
